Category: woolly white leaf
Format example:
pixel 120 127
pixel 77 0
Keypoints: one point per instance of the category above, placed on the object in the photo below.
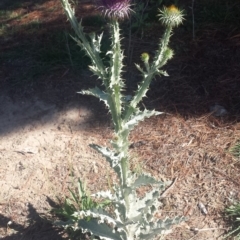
pixel 102 215
pixel 141 207
pixel 120 211
pixel 116 201
pixel 101 230
pixel 113 158
pixel 110 156
pixel 105 194
pixel 145 180
pixel 159 227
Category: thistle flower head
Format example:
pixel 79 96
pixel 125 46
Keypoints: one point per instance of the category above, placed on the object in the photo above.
pixel 171 16
pixel 116 8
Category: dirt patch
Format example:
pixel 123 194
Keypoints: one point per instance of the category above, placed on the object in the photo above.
pixel 43 151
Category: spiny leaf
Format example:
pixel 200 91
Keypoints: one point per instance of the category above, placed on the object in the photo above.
pixel 103 231
pixel 120 211
pixel 100 214
pixel 140 69
pixel 159 227
pixel 105 194
pixel 145 180
pixel 161 72
pixel 100 224
pixel 140 93
pixel 110 156
pixel 140 116
pixel 96 92
pixel 142 207
pixel 96 42
pixel 95 70
pixel 113 158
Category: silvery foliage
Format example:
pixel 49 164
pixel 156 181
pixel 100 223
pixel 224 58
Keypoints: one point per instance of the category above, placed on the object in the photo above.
pixel 133 217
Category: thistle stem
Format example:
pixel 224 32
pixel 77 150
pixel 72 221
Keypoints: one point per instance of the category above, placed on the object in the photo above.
pixel 159 59
pixel 116 83
pixel 115 87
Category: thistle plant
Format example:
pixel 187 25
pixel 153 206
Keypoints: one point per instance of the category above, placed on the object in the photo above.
pixel 133 217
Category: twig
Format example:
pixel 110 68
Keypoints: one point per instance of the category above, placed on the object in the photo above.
pixel 193 20
pixel 196 230
pixel 204 229
pixel 168 189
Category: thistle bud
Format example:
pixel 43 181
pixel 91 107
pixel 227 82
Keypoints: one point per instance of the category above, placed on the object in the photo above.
pixel 171 16
pixel 116 8
pixel 145 57
pixel 169 53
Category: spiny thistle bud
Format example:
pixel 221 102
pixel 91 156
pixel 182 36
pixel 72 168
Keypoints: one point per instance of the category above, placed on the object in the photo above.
pixel 145 57
pixel 169 53
pixel 171 16
pixel 116 8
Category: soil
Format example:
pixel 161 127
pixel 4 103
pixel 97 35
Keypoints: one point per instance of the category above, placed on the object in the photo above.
pixel 46 129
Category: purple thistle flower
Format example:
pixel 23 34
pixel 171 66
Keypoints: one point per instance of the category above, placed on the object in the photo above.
pixel 116 8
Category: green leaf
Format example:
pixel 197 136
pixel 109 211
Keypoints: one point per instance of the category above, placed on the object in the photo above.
pixel 134 121
pixel 96 92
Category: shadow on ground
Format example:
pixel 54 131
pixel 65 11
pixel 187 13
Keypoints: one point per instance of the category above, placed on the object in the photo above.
pixel 37 227
pixel 40 59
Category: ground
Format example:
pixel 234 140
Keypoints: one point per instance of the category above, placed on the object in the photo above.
pixel 46 127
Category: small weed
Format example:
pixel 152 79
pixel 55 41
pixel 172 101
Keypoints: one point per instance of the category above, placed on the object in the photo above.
pixel 233 212
pixel 235 150
pixel 79 200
